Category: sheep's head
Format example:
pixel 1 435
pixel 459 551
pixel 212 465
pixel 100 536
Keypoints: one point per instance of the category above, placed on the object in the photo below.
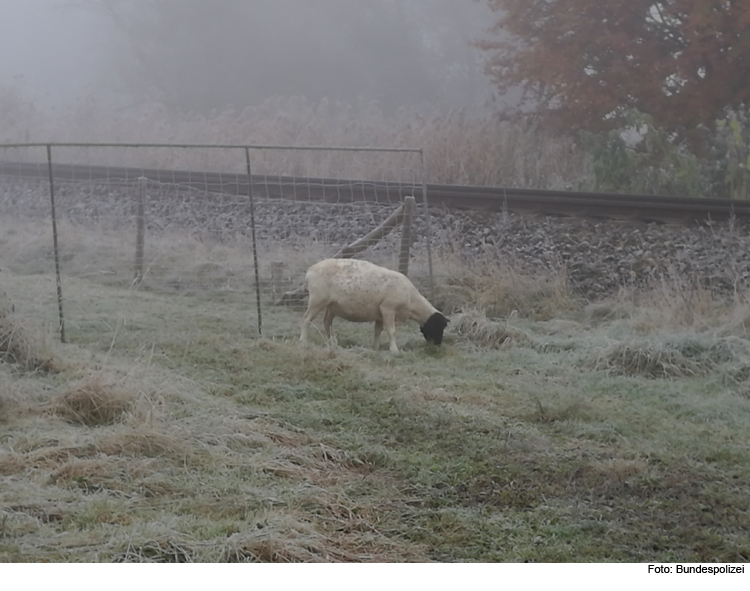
pixel 434 327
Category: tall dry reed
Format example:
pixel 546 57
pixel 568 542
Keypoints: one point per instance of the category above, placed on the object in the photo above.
pixel 459 147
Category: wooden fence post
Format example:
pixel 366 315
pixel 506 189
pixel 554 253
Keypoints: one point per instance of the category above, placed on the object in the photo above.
pixel 140 231
pixel 403 256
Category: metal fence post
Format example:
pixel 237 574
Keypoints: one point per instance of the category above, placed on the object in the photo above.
pixel 252 231
pixel 55 244
pixel 428 225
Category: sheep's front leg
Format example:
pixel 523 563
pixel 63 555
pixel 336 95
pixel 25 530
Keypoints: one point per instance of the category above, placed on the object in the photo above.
pixel 378 331
pixel 389 322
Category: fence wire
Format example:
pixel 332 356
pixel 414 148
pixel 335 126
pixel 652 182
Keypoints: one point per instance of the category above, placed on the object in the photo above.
pixel 137 222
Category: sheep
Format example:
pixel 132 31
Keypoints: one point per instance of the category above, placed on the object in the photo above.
pixel 359 291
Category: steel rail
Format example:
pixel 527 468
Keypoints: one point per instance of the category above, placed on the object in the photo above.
pixel 492 199
pixel 210 146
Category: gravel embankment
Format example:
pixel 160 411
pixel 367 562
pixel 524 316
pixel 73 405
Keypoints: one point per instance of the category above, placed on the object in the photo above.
pixel 600 256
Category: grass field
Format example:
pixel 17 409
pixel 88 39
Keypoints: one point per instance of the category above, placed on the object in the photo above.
pixel 544 429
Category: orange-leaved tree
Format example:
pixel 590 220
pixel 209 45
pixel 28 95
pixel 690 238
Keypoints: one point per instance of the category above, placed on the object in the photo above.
pixel 584 64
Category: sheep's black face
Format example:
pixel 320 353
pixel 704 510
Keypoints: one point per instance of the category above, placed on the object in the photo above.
pixel 434 327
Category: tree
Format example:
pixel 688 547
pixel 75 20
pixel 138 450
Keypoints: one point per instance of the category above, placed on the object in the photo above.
pixel 587 63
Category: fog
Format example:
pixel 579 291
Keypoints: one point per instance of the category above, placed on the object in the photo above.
pixel 201 55
pixel 53 53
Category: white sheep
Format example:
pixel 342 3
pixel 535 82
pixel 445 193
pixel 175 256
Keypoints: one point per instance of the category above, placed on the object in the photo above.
pixel 359 291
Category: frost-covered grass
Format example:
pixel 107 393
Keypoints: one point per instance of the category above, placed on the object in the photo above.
pixel 166 430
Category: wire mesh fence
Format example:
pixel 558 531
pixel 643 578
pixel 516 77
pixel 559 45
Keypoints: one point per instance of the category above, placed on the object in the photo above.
pixel 114 222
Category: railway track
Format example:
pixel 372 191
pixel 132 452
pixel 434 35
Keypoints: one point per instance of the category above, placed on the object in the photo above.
pixel 645 208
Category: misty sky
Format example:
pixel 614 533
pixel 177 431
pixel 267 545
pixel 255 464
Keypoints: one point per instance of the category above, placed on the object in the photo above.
pixel 55 49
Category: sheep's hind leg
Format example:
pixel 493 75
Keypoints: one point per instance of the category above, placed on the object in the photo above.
pixel 328 325
pixel 378 331
pixel 312 311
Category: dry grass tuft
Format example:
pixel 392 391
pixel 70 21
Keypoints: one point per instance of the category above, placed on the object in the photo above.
pixel 491 283
pixel 94 401
pixel 22 346
pixel 605 475
pixel 546 413
pixel 46 459
pixel 669 358
pixel 348 536
pixel 157 551
pixel 300 544
pixel 606 311
pixel 474 326
pixel 88 472
pixel 669 302
pixel 145 441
